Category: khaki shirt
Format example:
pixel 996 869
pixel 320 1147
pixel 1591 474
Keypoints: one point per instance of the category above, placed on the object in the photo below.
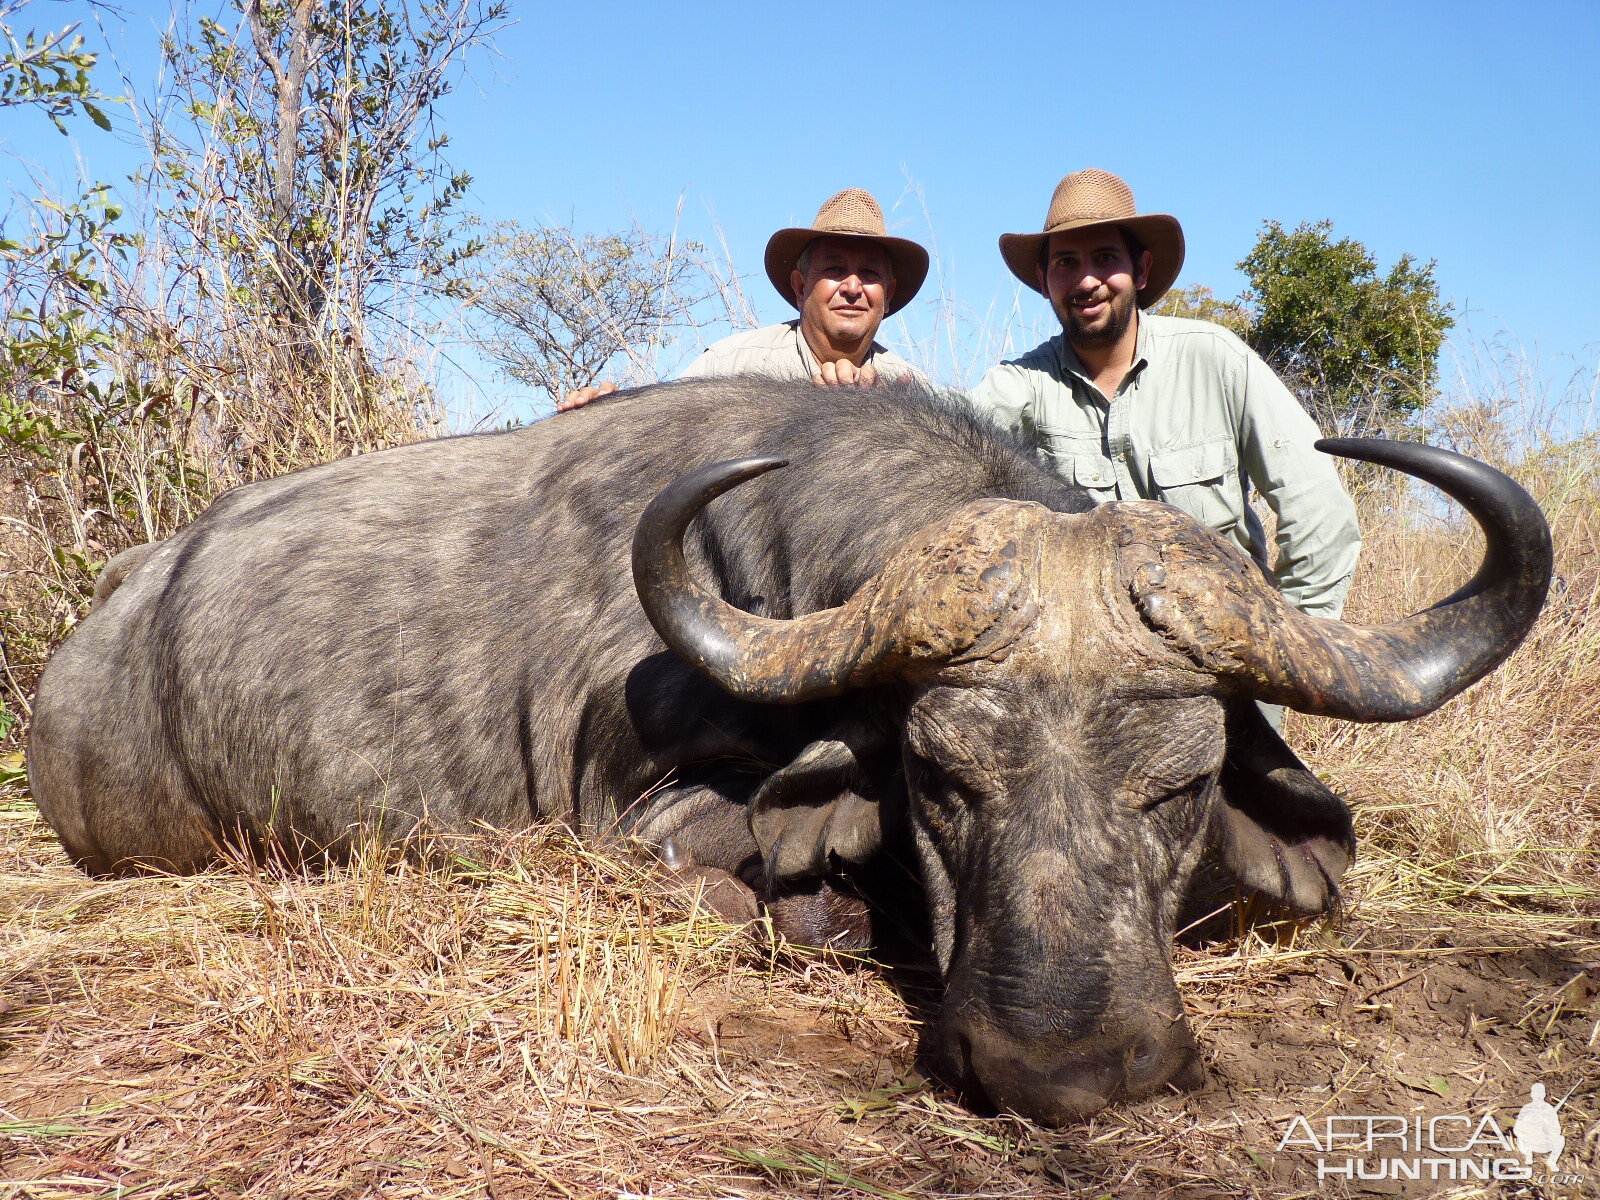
pixel 1197 420
pixel 780 352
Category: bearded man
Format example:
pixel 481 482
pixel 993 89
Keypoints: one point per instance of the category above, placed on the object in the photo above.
pixel 845 274
pixel 1134 406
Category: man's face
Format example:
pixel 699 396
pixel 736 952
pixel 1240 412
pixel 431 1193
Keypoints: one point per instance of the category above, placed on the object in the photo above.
pixel 1093 284
pixel 845 290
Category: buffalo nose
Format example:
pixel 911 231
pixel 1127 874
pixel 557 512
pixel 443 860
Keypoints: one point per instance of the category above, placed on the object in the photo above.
pixel 1056 1081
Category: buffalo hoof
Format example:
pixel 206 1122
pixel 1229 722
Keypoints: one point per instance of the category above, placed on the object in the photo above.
pixel 822 916
pixel 723 894
pixel 815 915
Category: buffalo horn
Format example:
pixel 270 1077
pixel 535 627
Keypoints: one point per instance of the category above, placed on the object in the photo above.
pixel 1390 672
pixel 755 657
pixel 956 592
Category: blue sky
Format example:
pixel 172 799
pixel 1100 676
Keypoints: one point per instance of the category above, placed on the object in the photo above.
pixel 1464 132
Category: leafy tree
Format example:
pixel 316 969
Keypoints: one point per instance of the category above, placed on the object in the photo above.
pixel 315 121
pixel 298 182
pixel 50 71
pixel 54 256
pixel 1360 346
pixel 52 272
pixel 556 309
pixel 1200 303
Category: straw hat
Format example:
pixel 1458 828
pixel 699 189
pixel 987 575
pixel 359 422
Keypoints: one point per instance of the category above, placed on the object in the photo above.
pixel 1091 198
pixel 852 213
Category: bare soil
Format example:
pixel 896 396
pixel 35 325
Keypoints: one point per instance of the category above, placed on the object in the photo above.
pixel 389 1036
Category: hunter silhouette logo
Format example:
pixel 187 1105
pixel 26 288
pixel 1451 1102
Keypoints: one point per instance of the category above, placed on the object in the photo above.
pixel 1538 1127
pixel 1450 1146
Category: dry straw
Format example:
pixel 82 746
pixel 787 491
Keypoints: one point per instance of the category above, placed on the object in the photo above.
pixel 530 1018
pixel 526 1017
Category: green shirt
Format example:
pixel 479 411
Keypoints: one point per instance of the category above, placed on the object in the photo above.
pixel 1197 420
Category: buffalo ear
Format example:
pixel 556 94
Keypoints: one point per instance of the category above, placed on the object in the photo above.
pixel 1280 830
pixel 819 812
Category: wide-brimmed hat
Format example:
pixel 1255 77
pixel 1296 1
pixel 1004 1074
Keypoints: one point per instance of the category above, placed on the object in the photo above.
pixel 1089 198
pixel 852 213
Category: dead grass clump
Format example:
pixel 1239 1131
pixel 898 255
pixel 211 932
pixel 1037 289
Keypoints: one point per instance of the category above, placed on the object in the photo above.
pixel 141 381
pixel 1495 798
pixel 245 1033
pixel 132 453
pixel 531 1018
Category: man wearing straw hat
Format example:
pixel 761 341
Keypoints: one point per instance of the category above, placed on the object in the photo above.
pixel 1132 406
pixel 845 274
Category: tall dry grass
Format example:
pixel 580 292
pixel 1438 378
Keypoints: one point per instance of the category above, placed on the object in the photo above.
pixel 534 1019
pixel 259 1033
pixel 146 384
pixel 1495 798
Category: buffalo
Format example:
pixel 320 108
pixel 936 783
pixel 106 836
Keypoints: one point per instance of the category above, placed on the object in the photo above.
pixel 912 639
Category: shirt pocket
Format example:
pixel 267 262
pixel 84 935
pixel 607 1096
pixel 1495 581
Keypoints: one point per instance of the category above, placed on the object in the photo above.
pixel 1076 457
pixel 1203 480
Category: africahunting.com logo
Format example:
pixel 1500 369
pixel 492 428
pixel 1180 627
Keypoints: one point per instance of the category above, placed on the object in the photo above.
pixel 1450 1148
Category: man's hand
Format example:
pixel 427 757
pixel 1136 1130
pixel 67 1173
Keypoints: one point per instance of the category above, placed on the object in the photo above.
pixel 845 373
pixel 583 395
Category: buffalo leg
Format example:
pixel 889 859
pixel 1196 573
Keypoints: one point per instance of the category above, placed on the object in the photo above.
pixel 701 834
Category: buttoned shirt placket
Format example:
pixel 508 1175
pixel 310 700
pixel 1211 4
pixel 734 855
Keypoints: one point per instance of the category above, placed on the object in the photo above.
pixel 1116 423
pixel 1115 413
pixel 1196 421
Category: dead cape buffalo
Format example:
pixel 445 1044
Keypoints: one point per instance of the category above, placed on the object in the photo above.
pixel 915 630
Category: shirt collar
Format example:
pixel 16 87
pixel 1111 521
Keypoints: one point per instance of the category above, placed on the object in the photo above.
pixel 808 357
pixel 808 360
pixel 1072 364
pixel 1141 345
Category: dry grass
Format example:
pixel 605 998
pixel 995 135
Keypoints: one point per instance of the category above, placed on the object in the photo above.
pixel 533 1019
pixel 144 376
pixel 169 421
pixel 530 1019
pixel 1497 795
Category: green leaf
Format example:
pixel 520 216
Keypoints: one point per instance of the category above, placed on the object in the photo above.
pixel 39 1129
pixel 999 1145
pixel 1437 1084
pixel 806 1164
pixel 884 1099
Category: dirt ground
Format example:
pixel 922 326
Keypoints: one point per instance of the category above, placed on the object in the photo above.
pixel 379 1035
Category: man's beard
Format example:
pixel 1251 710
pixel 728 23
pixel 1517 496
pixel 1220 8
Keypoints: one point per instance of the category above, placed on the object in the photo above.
pixel 1108 334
